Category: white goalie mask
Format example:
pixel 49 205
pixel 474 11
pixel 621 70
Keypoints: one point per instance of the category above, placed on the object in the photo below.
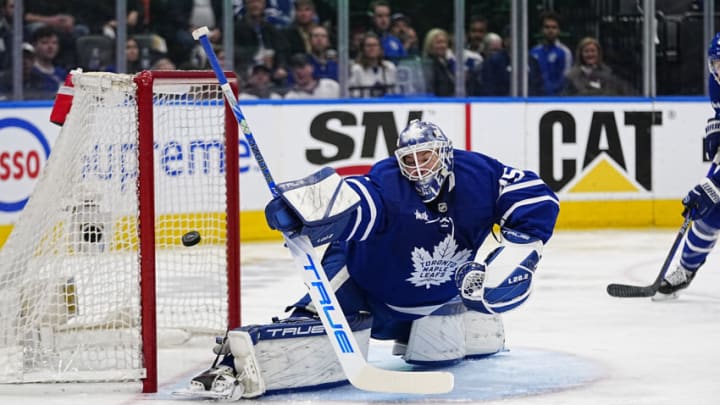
pixel 425 156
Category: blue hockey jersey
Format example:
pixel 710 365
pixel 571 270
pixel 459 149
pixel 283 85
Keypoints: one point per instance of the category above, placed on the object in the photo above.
pixel 403 253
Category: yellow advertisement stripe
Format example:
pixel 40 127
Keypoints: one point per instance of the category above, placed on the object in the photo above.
pixel 619 214
pixel 573 215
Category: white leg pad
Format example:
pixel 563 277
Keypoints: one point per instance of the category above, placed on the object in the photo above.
pixel 436 339
pixel 246 364
pixel 293 362
pixel 484 333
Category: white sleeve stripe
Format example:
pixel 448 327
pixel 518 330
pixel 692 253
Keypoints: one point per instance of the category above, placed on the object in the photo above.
pixel 371 205
pixel 519 186
pixel 339 279
pixel 358 218
pixel 528 201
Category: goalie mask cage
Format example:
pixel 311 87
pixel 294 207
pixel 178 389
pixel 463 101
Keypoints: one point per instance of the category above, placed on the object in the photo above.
pixel 95 267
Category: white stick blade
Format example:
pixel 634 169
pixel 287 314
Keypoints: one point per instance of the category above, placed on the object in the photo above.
pixel 371 378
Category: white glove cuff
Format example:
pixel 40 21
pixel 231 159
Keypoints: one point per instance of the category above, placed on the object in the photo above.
pixel 710 190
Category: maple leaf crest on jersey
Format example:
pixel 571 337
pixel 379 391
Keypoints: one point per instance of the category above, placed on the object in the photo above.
pixel 439 267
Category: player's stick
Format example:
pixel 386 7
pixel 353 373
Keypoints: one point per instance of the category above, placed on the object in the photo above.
pixel 636 291
pixel 360 374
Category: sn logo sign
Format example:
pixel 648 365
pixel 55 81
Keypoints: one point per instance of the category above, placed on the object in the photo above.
pixel 602 122
pixel 374 123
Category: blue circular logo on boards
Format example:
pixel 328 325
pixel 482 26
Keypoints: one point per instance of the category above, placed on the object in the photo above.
pixel 26 126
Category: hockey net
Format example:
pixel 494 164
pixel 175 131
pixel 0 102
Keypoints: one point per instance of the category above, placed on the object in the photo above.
pixel 95 264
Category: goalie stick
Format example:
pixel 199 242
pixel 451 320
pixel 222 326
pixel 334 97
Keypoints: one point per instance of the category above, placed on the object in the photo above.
pixel 637 291
pixel 360 374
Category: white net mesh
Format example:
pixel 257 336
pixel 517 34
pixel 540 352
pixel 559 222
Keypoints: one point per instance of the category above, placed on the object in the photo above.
pixel 70 294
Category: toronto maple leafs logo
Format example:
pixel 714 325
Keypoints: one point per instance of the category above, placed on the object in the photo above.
pixel 439 267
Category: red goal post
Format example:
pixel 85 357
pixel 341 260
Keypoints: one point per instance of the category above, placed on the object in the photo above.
pixel 85 284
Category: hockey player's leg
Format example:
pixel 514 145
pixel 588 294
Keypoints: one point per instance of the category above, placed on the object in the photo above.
pixel 291 353
pixel 484 333
pixel 287 354
pixel 451 334
pixel 700 240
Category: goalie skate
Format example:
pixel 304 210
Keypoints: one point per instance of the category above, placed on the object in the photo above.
pixel 214 383
pixel 222 382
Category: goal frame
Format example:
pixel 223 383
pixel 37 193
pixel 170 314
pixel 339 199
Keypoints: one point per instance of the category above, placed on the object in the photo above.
pixel 146 212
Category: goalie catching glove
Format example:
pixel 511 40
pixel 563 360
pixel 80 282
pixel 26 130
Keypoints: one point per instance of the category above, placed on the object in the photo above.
pixel 504 280
pixel 319 206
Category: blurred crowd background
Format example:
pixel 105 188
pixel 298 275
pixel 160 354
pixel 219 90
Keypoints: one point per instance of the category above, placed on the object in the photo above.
pixel 369 48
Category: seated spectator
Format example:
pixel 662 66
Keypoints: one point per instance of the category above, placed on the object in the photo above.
pixel 492 43
pixel 371 75
pixel 58 16
pixel 259 84
pixel 323 58
pixel 552 55
pixel 135 60
pixel 298 32
pixel 400 28
pixel 46 45
pixel 306 86
pixel 132 54
pixel 163 64
pixel 440 65
pixel 171 20
pixel 439 69
pixel 476 33
pixel 254 37
pixel 590 76
pixel 277 12
pixel 32 81
pixel 392 46
pixel 496 71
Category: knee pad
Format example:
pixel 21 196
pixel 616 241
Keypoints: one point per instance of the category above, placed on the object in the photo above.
pixel 294 353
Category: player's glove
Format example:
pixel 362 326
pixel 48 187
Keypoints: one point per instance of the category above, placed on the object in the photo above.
pixel 504 280
pixel 281 216
pixel 711 141
pixel 701 199
pixel 469 279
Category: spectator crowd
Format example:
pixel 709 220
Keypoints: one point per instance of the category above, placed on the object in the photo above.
pixel 282 49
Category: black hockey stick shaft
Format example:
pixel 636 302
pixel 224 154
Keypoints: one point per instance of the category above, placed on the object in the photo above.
pixel 635 291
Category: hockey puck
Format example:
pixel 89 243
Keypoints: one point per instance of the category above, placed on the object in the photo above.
pixel 191 238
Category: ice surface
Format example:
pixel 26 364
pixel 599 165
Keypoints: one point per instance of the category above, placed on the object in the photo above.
pixel 570 343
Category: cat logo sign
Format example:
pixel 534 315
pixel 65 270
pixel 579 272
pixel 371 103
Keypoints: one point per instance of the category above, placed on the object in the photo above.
pixel 603 167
